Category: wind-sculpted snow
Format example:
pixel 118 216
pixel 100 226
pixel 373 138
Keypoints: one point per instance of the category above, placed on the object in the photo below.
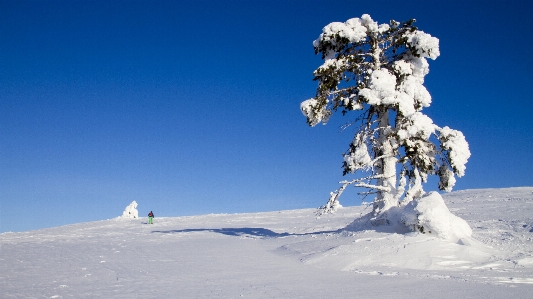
pixel 285 254
pixel 131 211
pixel 429 214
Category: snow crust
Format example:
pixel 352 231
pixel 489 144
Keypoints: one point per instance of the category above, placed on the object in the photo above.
pixel 285 254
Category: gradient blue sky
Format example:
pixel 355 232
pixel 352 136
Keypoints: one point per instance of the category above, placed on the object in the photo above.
pixel 192 107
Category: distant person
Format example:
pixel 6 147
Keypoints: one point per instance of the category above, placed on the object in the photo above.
pixel 150 218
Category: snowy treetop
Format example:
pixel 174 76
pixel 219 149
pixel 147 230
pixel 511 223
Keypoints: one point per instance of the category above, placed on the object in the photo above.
pixel 379 70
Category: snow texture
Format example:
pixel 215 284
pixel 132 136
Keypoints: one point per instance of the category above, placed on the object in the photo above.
pixel 131 211
pixel 420 125
pixel 353 30
pixel 454 141
pixel 429 214
pixel 447 180
pixel 382 88
pixel 284 254
pixel 424 44
pixel 315 117
pixel 359 158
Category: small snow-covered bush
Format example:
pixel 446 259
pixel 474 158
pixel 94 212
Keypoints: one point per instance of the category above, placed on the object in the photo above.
pixel 429 214
pixel 131 211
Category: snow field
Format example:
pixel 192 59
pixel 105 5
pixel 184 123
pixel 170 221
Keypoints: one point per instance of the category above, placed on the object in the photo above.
pixel 285 254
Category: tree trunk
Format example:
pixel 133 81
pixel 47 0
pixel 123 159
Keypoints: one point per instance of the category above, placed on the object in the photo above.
pixel 386 167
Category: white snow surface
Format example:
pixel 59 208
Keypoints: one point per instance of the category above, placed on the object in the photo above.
pixel 430 213
pixel 283 254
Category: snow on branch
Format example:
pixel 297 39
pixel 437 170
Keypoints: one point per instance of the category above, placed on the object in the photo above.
pixel 314 113
pixel 424 45
pixel 333 203
pixel 455 143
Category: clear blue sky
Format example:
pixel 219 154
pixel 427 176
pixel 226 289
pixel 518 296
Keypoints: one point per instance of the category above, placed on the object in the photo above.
pixel 192 107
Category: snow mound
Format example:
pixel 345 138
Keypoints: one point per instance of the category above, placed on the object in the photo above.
pixel 429 214
pixel 131 211
pixel 371 249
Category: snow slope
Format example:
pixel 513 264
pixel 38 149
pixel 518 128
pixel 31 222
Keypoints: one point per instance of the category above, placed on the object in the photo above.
pixel 285 254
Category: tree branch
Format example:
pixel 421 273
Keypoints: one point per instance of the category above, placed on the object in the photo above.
pixel 369 186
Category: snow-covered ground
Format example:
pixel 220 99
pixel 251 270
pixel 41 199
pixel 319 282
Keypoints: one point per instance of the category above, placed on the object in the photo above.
pixel 285 254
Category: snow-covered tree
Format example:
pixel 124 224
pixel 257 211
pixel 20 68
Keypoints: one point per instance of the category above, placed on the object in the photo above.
pixel 131 211
pixel 379 70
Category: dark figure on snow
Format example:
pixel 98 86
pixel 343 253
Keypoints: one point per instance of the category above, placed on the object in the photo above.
pixel 150 218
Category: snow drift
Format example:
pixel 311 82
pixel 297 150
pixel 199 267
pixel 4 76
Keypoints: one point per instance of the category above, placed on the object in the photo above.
pixel 429 214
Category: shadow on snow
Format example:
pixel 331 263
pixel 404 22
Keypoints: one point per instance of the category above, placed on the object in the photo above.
pixel 244 231
pixel 362 223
